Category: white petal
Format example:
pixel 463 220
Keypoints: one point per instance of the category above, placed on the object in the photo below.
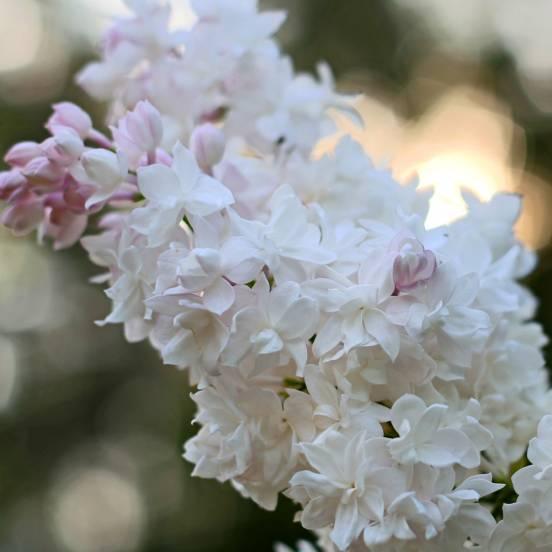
pixel 160 184
pixel 219 297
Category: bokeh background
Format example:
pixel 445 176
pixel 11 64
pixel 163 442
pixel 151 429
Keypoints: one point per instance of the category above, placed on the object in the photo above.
pixel 91 427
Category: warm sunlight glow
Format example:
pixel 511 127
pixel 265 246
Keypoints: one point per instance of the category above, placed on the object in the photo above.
pixel 20 33
pixel 182 15
pixel 465 141
pixel 448 175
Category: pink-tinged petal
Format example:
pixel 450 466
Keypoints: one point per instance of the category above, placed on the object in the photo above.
pixel 67 114
pixel 40 171
pixel 24 216
pixel 64 148
pixel 22 153
pixel 408 272
pixel 11 182
pixel 69 230
pixel 207 144
pixel 139 132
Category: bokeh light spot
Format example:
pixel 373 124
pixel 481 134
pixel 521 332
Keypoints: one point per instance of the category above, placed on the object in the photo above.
pixel 98 510
pixel 20 33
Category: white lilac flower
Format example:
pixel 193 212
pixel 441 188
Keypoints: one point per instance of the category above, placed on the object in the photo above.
pixel 276 328
pixel 324 406
pixel 356 317
pixel 173 192
pixel 132 276
pixel 425 435
pixel 289 244
pixel 354 483
pixel 244 438
pixel 187 334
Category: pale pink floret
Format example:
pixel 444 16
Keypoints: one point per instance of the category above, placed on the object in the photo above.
pixel 207 144
pixel 67 114
pixel 413 263
pixel 22 153
pixel 64 148
pixel 10 182
pixel 42 172
pixel 48 187
pixel 24 215
pixel 138 133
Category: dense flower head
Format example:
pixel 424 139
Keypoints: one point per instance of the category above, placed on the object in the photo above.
pixel 383 375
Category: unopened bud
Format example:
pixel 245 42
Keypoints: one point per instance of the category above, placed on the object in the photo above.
pixel 24 215
pixel 67 114
pixel 413 263
pixel 105 170
pixel 64 148
pixel 10 181
pixel 207 144
pixel 20 154
pixel 40 171
pixel 138 132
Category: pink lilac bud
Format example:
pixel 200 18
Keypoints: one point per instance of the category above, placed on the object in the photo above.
pixel 10 181
pixel 55 200
pixel 43 172
pixel 413 263
pixel 114 221
pixel 75 195
pixel 139 132
pixel 207 144
pixel 67 114
pixel 22 153
pixel 164 158
pixel 24 215
pixel 64 227
pixel 104 166
pixel 64 148
pixel 106 171
pixel 112 38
